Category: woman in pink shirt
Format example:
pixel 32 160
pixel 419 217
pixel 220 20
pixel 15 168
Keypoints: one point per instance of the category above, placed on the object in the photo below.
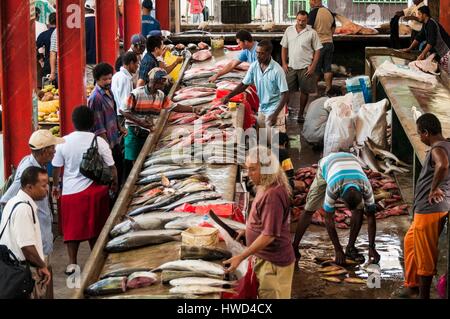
pixel 196 9
pixel 267 231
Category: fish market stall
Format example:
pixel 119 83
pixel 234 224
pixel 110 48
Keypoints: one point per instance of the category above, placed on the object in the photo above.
pixel 187 167
pixel 404 94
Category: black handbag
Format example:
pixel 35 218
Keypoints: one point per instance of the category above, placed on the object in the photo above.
pixel 93 167
pixel 16 281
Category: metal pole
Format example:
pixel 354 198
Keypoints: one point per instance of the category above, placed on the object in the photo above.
pixel 131 20
pixel 71 59
pixel 18 68
pixel 106 32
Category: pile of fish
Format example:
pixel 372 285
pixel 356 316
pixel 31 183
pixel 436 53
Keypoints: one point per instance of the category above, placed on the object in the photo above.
pixel 379 160
pixel 386 193
pixel 331 272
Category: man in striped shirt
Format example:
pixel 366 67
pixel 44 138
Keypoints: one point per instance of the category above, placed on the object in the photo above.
pixel 340 176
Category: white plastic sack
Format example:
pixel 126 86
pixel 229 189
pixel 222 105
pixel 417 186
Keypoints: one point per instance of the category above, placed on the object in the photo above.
pixel 371 122
pixel 334 101
pixel 315 121
pixel 340 130
pixel 390 69
pixel 235 248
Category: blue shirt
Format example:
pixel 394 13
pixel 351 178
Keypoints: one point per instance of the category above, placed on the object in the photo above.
pixel 269 85
pixel 342 171
pixel 149 24
pixel 91 45
pixel 105 115
pixel 248 55
pixel 148 62
pixel 44 213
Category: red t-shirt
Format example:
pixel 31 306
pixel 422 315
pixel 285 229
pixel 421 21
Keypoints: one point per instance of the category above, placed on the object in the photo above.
pixel 270 216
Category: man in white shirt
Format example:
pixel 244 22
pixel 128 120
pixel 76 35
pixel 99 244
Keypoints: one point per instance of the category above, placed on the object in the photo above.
pixel 20 230
pixel 122 81
pixel 302 43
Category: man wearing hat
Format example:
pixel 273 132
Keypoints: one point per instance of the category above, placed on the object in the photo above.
pixel 144 104
pixel 148 22
pixel 42 144
pixel 138 46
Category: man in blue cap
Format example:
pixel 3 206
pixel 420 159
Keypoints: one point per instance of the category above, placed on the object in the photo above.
pixel 138 46
pixel 148 22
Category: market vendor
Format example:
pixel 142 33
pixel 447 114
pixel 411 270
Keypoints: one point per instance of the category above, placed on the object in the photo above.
pixel 248 46
pixel 154 59
pixel 267 230
pixel 143 106
pixel 271 86
pixel 340 175
pixel 409 14
pixel 431 206
pixel 437 39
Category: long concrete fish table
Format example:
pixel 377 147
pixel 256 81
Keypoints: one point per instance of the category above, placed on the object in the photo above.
pixel 223 177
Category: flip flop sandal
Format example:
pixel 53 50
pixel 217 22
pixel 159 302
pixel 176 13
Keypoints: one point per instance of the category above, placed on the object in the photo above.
pixel 353 254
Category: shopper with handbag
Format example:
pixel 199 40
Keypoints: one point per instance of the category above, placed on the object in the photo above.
pixel 21 242
pixel 88 169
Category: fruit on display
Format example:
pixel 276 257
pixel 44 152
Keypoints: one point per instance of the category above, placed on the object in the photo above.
pixel 55 131
pixel 48 104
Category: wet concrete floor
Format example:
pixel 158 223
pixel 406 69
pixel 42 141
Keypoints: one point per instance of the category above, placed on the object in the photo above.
pixel 315 243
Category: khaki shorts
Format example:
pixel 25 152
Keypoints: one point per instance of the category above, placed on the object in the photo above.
pixel 262 121
pixel 317 191
pixel 41 291
pixel 275 282
pixel 298 80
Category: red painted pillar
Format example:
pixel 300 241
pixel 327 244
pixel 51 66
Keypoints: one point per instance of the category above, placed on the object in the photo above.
pixel 132 18
pixel 71 59
pixel 18 68
pixel 106 32
pixel 163 14
pixel 444 14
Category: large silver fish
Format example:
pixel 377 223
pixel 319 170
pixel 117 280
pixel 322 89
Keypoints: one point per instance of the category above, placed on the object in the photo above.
pixel 194 198
pixel 107 286
pixel 162 201
pixel 194 220
pixel 198 290
pixel 139 239
pixel 180 173
pixel 204 253
pixel 202 281
pixel 168 275
pixel 197 101
pixel 158 169
pixel 147 221
pixel 193 265
pixel 168 159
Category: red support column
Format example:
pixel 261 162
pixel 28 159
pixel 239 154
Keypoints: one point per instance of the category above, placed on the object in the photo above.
pixel 163 14
pixel 71 59
pixel 106 28
pixel 132 18
pixel 444 13
pixel 18 68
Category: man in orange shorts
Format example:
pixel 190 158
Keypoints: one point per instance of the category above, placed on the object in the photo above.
pixel 431 206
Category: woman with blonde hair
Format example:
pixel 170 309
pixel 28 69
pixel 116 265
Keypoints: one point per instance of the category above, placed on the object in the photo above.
pixel 267 230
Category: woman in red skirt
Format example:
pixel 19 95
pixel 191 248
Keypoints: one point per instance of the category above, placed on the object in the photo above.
pixel 84 204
